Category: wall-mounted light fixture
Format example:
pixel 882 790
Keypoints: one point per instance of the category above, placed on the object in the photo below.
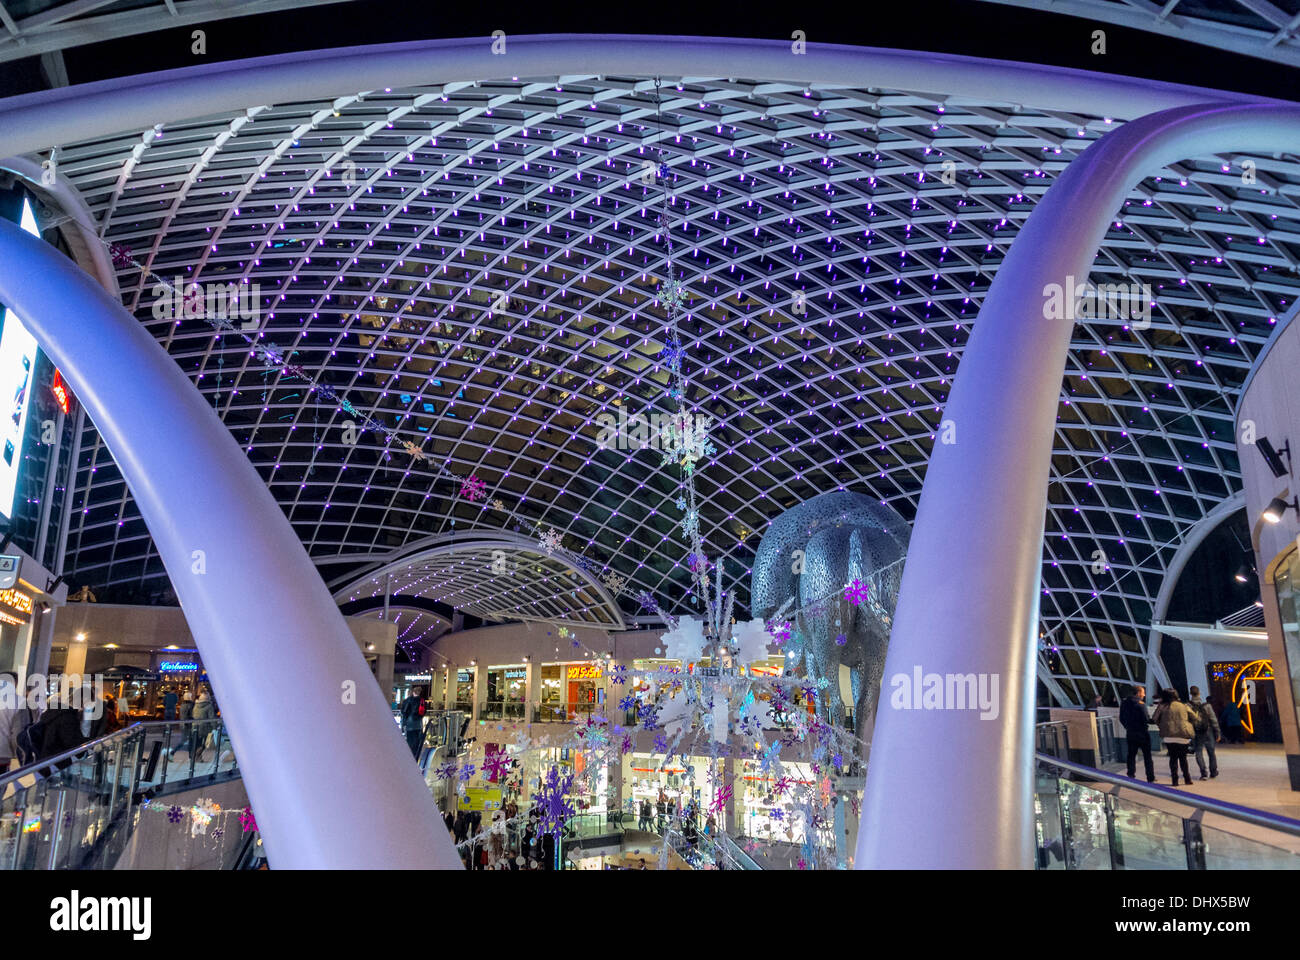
pixel 1277 507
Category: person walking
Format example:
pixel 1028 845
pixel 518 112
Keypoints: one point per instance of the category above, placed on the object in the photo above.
pixel 413 720
pixel 644 822
pixel 169 704
pixel 1174 718
pixel 1206 725
pixel 187 706
pixel 1232 729
pixel 1133 718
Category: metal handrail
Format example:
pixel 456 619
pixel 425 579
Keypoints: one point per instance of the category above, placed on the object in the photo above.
pixel 43 766
pixel 1221 807
pixel 73 754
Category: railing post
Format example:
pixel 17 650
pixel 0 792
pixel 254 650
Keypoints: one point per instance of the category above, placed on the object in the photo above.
pixel 1194 842
pixel 1112 836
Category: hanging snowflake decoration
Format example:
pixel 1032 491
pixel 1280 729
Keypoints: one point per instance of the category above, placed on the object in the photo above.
pixel 647 601
pixel 613 582
pixel 690 523
pixel 618 674
pixel 218 833
pixel 550 541
pixel 720 799
pixel 782 785
pixel 247 819
pixel 473 489
pixel 778 813
pixel 121 254
pixel 496 765
pixel 661 743
pixel 627 703
pixel 672 353
pixel 841 640
pixel 498 506
pixel 554 802
pixel 418 454
pixel 446 771
pixel 650 717
pixel 681 503
pixel 627 744
pixel 673 291
pixel 466 773
pixel 781 633
pixel 698 563
pixel 686 440
pixel 857 592
pixel 174 813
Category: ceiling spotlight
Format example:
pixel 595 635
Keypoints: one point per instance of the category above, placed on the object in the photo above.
pixel 1271 456
pixel 1277 507
pixel 81 638
pixel 1242 575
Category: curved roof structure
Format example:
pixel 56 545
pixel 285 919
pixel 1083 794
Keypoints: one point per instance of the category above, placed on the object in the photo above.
pixel 478 266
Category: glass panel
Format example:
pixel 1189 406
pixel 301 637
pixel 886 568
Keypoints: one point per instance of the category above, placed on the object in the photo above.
pixel 1229 851
pixel 1149 839
pixel 1085 820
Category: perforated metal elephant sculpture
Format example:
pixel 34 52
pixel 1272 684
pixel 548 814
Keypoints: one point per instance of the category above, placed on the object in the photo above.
pixel 809 555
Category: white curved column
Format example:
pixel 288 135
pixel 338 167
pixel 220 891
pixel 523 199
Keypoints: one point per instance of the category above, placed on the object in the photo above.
pixel 946 789
pixel 331 781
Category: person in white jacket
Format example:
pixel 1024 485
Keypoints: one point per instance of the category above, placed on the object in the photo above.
pixel 13 717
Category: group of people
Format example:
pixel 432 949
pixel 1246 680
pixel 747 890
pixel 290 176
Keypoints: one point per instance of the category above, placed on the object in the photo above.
pixel 505 842
pixel 654 817
pixel 29 734
pixel 1191 727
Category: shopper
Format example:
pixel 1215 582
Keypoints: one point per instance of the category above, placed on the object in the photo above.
pixel 187 706
pixel 169 704
pixel 413 709
pixel 59 730
pixel 644 822
pixel 1133 718
pixel 1231 720
pixel 14 716
pixel 1174 719
pixel 1206 725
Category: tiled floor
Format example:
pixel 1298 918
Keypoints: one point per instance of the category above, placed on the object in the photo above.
pixel 1250 775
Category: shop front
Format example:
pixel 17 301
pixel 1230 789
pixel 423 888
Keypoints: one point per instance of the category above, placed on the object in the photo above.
pixel 1243 694
pixel 648 778
pixel 464 691
pixel 507 692
pixel 590 793
pixel 770 814
pixel 570 691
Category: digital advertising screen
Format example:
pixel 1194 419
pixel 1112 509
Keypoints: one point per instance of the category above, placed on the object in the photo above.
pixel 17 366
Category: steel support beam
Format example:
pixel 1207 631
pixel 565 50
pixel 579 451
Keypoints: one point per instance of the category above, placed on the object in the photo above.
pixel 970 592
pixel 313 732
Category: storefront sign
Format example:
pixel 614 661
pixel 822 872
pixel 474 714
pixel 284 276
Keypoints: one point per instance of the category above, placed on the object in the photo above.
pixel 60 391
pixel 417 678
pixel 9 571
pixel 15 606
pixel 463 676
pixel 586 671
pixel 519 674
pixel 177 666
pixel 480 798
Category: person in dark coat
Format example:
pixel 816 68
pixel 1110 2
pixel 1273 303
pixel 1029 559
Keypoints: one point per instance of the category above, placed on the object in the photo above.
pixel 413 720
pixel 60 730
pixel 1133 718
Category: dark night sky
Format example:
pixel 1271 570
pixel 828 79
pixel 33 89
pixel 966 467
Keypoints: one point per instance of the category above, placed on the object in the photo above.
pixel 951 26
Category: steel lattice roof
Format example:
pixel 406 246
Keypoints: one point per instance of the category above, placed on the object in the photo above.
pixel 384 289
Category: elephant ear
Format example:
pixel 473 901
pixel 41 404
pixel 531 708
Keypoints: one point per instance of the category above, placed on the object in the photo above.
pixel 821 588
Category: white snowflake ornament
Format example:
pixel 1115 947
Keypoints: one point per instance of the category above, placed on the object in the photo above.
pixel 753 639
pixel 685 643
